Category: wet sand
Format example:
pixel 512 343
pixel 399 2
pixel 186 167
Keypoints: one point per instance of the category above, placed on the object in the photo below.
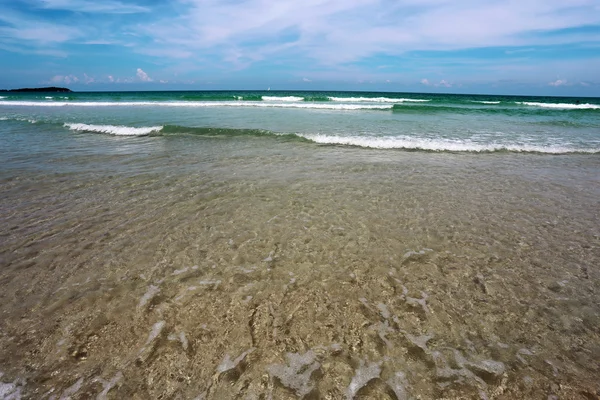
pixel 278 273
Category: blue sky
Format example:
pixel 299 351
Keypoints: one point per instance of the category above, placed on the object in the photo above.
pixel 546 47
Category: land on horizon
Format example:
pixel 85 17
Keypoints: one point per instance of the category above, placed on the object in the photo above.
pixel 42 89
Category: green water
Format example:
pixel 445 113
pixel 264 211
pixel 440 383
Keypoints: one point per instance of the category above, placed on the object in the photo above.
pixel 207 250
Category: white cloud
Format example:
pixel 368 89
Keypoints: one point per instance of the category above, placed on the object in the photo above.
pixel 64 79
pixel 341 31
pixel 143 76
pixel 219 36
pixel 107 7
pixel 306 80
pixel 88 79
pixel 110 78
pixel 19 27
pixel 558 82
pixel 442 83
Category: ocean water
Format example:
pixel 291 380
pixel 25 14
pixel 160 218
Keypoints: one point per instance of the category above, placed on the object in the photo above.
pixel 299 245
pixel 371 120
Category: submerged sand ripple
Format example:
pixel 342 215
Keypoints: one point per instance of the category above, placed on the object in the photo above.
pixel 463 285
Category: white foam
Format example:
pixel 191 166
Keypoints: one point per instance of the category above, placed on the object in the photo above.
pixel 376 100
pixel 2 97
pixel 3 118
pixel 150 293
pixel 398 383
pixel 10 391
pixel 297 372
pixel 48 97
pixel 180 271
pixel 209 282
pixel 228 364
pixel 114 130
pixel 198 104
pixel 156 330
pixel 363 375
pixel 108 385
pixel 283 98
pixel 563 106
pixel 183 340
pixel 419 341
pixel 71 390
pixel 486 102
pixel 407 143
pixel 383 310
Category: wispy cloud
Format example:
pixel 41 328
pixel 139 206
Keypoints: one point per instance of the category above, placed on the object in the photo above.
pixel 64 79
pixel 448 41
pixel 143 76
pixel 87 6
pixel 558 82
pixel 339 31
pixel 442 83
pixel 18 27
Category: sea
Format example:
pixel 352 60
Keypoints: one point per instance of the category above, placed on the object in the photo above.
pixel 295 244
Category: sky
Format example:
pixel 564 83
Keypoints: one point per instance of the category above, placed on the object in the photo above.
pixel 538 47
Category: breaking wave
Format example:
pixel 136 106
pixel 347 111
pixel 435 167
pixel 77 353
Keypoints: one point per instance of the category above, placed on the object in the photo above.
pixel 191 104
pixel 440 145
pixel 282 98
pixel 384 142
pixel 114 129
pixel 564 106
pixel 376 100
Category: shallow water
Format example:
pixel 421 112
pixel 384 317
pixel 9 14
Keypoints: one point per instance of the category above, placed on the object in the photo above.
pixel 229 255
pixel 174 267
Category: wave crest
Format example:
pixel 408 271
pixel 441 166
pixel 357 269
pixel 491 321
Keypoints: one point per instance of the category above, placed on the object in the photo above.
pixel 376 100
pixel 439 145
pixel 192 104
pixel 565 106
pixel 114 129
pixel 282 98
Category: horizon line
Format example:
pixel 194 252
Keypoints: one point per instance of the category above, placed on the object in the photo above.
pixel 38 90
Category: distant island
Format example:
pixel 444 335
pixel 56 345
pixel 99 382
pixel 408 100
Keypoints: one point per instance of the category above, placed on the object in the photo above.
pixel 44 90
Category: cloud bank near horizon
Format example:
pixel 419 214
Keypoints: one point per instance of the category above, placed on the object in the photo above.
pixel 552 44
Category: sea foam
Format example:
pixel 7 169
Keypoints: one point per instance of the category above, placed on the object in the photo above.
pixel 191 104
pixel 440 144
pixel 114 130
pixel 564 106
pixel 283 98
pixel 376 100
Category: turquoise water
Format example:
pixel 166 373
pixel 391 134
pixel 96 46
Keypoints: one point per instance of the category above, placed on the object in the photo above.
pixel 217 245
pixel 431 122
